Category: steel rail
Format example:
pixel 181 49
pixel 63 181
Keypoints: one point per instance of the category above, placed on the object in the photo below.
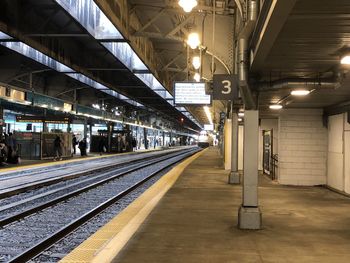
pixel 51 181
pixel 35 209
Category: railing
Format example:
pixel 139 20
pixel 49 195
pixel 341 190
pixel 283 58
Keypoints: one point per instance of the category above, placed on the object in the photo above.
pixel 274 166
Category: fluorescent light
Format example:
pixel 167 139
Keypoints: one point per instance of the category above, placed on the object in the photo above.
pixel 345 60
pixel 300 92
pixel 96 106
pixel 188 5
pixel 241 114
pixel 196 62
pixel 193 40
pixel 275 106
pixel 207 112
pixel 197 77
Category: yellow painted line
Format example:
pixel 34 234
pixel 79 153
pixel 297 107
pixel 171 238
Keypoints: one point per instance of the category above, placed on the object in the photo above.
pixel 19 168
pixel 108 241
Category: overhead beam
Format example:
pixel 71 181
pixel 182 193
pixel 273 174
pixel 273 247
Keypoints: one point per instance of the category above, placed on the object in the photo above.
pixel 179 26
pixel 107 69
pixel 57 35
pixel 158 36
pixel 180 54
pixel 152 20
pixel 174 7
pixel 271 20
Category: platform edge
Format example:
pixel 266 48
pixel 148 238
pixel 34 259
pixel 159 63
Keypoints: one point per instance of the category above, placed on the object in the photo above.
pixel 109 240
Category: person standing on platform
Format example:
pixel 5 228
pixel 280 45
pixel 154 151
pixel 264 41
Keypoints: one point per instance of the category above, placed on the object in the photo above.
pixel 11 144
pixel 102 145
pixel 82 146
pixel 57 144
pixel 74 144
pixel 3 152
pixel 134 144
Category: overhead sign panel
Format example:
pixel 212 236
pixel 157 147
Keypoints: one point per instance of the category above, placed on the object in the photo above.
pixel 191 93
pixel 40 119
pixel 208 127
pixel 225 87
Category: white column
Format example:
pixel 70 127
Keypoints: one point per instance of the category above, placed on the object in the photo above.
pixel 249 216
pixel 234 177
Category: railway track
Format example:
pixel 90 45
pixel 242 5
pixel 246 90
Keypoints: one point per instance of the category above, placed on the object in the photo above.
pixel 37 228
pixel 46 176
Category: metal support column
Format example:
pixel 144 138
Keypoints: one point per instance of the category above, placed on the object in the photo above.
pixel 171 138
pixel 2 123
pixel 234 177
pixel 110 127
pixel 85 128
pixel 145 138
pixel 69 127
pixel 45 127
pixel 249 215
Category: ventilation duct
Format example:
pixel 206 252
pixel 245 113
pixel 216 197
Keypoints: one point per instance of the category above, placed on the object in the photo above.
pixel 243 58
pixel 291 83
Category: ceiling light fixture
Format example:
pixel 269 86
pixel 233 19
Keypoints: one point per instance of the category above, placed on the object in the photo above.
pixel 188 5
pixel 193 40
pixel 197 77
pixel 207 112
pixel 301 92
pixel 196 62
pixel 241 114
pixel 345 60
pixel 240 119
pixel 275 106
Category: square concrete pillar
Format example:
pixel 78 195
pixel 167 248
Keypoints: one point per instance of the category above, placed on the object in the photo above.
pixel 249 216
pixel 234 177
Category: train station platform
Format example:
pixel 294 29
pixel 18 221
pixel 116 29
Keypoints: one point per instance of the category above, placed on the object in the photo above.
pixel 196 221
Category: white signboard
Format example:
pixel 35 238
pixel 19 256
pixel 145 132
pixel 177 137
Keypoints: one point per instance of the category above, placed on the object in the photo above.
pixel 191 93
pixel 208 127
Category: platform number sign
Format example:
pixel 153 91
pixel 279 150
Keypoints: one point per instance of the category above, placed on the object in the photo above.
pixel 225 87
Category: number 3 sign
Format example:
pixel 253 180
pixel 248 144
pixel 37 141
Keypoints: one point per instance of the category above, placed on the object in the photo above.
pixel 225 87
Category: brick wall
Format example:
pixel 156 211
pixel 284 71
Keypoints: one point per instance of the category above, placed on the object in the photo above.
pixel 302 147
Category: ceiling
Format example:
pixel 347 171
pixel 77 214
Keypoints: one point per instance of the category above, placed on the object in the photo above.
pixel 47 27
pixel 309 37
pixel 309 45
pixel 167 26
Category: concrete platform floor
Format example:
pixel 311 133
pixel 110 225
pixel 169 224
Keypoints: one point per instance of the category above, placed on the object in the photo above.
pixel 196 222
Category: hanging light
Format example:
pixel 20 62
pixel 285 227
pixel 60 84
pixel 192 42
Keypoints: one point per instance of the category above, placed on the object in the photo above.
pixel 197 77
pixel 300 92
pixel 275 106
pixel 196 62
pixel 345 60
pixel 193 40
pixel 188 5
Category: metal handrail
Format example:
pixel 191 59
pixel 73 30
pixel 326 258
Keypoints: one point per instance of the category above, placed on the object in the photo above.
pixel 274 165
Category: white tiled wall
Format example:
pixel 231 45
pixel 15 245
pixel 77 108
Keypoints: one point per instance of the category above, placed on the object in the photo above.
pixel 302 147
pixel 338 172
pixel 335 167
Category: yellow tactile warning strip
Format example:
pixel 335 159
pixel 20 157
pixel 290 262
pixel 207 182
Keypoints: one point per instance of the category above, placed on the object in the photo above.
pixel 106 243
pixel 2 170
